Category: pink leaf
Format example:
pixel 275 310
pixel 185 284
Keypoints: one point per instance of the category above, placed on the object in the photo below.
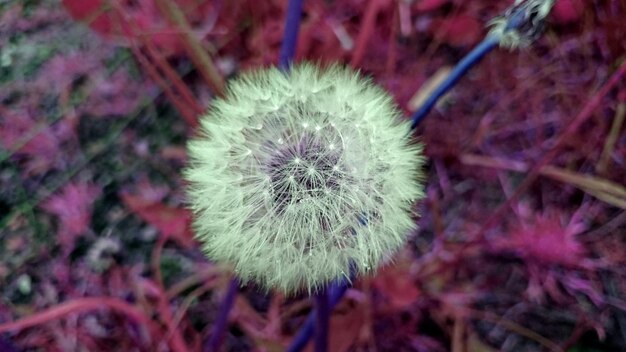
pixel 72 206
pixel 429 5
pixel 60 71
pixel 567 11
pixel 38 143
pixel 457 31
pixel 106 99
pixel 170 221
pixel 128 20
pixel 396 284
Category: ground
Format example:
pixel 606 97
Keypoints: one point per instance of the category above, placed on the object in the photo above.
pixel 521 243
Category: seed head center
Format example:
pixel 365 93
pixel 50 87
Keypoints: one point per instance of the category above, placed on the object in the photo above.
pixel 303 170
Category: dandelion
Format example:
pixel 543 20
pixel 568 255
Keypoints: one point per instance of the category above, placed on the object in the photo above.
pixel 297 178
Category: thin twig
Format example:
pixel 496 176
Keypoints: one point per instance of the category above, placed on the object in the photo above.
pixel 174 337
pixel 197 54
pixel 366 30
pixel 82 305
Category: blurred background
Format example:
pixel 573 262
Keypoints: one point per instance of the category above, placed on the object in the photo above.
pixel 521 245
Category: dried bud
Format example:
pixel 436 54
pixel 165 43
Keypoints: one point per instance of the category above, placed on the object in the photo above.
pixel 522 23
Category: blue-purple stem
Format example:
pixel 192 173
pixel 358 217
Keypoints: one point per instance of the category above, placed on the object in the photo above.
pixel 337 290
pixel 515 20
pixel 287 53
pixel 335 293
pixel 457 73
pixel 322 306
pixel 219 328
pixel 290 38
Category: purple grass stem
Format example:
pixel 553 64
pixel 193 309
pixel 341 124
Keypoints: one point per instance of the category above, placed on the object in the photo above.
pixel 335 293
pixel 287 53
pixel 322 306
pixel 219 328
pixel 290 38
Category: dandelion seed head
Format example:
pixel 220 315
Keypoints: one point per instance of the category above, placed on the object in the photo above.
pixel 289 191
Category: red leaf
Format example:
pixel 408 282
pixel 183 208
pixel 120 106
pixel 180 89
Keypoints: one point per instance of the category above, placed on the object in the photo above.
pixel 93 13
pixel 429 5
pixel 72 206
pixel 396 283
pixel 139 18
pixel 171 222
pixel 567 11
pixel 345 328
pixel 457 31
pixel 38 143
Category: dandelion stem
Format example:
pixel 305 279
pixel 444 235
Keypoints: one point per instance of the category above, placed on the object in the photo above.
pixel 287 52
pixel 290 38
pixel 457 73
pixel 336 292
pixel 217 337
pixel 322 320
pixel 526 16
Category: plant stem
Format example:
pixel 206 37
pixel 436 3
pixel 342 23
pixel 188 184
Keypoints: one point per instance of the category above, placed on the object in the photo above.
pixel 287 51
pixel 322 320
pixel 290 38
pixel 82 305
pixel 201 59
pixel 457 73
pixel 217 337
pixel 516 17
pixel 368 27
pixel 336 292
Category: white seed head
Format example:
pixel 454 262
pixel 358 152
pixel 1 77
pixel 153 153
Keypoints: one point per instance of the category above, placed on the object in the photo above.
pixel 277 203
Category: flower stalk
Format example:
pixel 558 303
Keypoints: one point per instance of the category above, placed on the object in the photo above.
pixel 519 26
pixel 219 327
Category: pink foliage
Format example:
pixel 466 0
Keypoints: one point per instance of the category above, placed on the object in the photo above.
pixel 568 11
pixel 545 239
pixel 429 5
pixel 72 206
pixel 125 20
pixel 105 99
pixel 38 144
pixel 60 71
pixel 449 275
pixel 147 203
pixel 459 30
